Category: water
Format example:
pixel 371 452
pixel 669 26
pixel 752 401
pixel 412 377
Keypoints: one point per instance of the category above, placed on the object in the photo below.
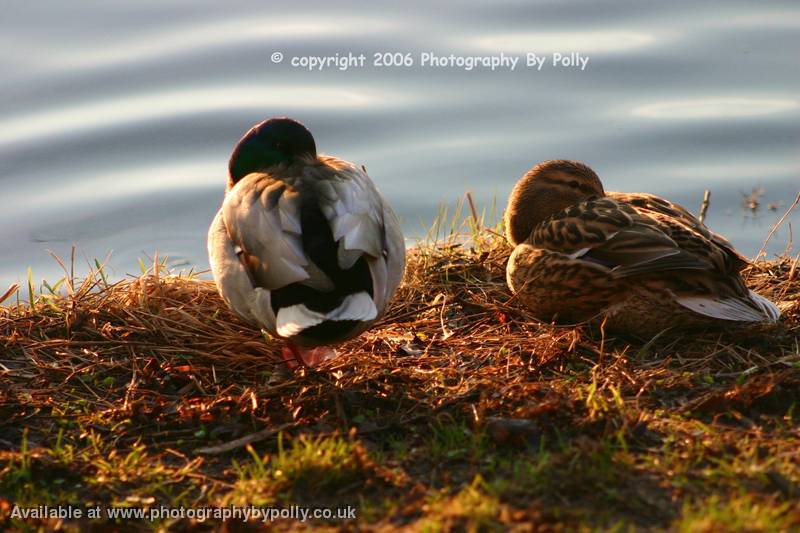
pixel 116 123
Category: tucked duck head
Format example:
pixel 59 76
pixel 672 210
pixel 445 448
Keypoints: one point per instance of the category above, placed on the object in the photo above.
pixel 270 143
pixel 546 189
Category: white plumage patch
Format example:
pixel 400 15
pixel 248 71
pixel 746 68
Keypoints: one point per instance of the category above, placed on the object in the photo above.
pixel 579 253
pixel 735 309
pixel 769 308
pixel 294 319
pixel 357 306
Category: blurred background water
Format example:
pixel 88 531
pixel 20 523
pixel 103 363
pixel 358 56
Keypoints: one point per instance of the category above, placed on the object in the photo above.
pixel 116 122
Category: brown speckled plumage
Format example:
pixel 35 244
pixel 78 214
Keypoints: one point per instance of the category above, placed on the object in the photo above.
pixel 637 261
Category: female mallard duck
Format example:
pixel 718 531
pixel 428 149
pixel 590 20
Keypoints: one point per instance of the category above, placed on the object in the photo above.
pixel 636 261
pixel 304 246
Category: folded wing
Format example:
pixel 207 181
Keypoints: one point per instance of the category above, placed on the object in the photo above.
pixel 642 235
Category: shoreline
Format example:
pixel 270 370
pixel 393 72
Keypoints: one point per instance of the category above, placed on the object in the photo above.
pixel 457 409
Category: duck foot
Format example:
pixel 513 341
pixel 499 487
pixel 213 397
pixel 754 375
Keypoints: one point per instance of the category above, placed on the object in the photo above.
pixel 294 355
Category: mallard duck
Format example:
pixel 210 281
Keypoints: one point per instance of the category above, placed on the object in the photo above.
pixel 635 261
pixel 304 245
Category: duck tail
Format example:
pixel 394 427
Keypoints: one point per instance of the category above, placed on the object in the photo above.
pixel 751 307
pixel 771 311
pixel 295 319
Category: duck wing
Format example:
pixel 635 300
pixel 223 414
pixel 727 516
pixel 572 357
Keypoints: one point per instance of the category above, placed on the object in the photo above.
pixel 635 235
pixel 255 248
pixel 353 207
pixel 362 223
pixel 281 220
pixel 612 234
pixel 658 207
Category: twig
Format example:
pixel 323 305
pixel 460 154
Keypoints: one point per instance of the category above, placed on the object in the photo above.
pixel 393 319
pixel 244 441
pixel 11 290
pixel 474 212
pixel 776 226
pixel 704 206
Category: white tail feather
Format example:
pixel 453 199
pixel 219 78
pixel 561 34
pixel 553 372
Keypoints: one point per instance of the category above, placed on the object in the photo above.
pixel 771 310
pixel 357 306
pixel 294 319
pixel 755 309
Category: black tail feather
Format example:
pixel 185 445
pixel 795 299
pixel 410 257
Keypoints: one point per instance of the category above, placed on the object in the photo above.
pixel 320 248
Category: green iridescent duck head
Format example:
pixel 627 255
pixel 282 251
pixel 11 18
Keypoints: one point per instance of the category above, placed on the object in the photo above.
pixel 272 142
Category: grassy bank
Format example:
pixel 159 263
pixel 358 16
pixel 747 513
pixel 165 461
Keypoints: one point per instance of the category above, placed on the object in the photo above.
pixel 457 411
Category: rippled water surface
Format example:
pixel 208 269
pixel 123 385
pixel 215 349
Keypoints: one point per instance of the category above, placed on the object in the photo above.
pixel 116 122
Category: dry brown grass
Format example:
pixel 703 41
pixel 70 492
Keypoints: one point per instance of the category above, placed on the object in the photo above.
pixel 459 409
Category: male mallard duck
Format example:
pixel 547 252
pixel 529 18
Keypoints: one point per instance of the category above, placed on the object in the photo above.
pixel 637 261
pixel 303 246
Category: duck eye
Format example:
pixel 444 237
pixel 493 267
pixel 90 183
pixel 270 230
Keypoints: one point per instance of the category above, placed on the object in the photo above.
pixel 574 184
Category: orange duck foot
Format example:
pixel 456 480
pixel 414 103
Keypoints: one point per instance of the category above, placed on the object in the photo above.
pixel 295 355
